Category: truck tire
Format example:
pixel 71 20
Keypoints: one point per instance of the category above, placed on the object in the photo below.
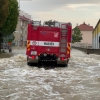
pixel 65 65
pixel 29 63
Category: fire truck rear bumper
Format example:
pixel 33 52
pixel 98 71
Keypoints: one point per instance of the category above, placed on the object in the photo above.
pixel 36 61
pixel 31 60
pixel 62 61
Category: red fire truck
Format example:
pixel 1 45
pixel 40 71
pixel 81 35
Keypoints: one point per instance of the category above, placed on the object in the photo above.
pixel 48 43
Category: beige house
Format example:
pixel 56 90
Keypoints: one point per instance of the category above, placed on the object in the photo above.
pixel 86 31
pixel 21 29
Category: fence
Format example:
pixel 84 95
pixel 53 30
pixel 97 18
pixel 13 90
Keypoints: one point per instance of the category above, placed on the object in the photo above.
pixel 82 45
pixel 19 43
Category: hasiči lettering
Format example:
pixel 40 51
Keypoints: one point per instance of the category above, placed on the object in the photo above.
pixel 48 43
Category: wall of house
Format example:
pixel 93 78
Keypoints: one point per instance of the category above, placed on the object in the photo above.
pixel 17 33
pixel 21 33
pixel 21 29
pixel 95 37
pixel 87 37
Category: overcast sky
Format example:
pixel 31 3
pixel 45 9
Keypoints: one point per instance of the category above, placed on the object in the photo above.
pixel 74 11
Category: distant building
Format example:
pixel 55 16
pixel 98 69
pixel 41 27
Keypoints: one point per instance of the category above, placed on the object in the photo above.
pixel 86 31
pixel 21 29
pixel 96 36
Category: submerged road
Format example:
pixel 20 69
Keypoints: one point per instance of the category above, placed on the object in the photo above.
pixel 79 81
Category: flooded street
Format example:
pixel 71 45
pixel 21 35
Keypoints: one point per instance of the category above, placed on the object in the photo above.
pixel 79 81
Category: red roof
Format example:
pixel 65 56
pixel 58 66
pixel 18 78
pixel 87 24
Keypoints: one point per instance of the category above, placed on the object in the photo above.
pixel 24 18
pixel 85 27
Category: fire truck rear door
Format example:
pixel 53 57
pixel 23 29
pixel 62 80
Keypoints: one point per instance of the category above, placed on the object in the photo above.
pixel 49 40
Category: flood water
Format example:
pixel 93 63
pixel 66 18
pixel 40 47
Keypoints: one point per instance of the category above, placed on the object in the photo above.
pixel 79 81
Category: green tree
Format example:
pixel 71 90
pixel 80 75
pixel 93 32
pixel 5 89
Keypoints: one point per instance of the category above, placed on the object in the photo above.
pixel 76 36
pixel 11 22
pixel 4 11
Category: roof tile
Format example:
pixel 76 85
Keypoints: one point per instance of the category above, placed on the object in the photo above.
pixel 85 27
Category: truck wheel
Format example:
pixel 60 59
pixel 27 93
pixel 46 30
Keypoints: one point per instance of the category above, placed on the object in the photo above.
pixel 39 65
pixel 29 63
pixel 54 64
pixel 66 65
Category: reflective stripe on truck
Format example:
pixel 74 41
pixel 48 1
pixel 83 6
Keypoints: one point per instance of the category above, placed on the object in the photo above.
pixel 68 48
pixel 28 45
pixel 44 43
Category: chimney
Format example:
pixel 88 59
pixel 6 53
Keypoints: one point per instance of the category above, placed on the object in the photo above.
pixel 88 24
pixel 77 24
pixel 84 23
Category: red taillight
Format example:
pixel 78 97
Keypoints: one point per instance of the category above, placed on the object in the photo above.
pixel 62 58
pixel 33 57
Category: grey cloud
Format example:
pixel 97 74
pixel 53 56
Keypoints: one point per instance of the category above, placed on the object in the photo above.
pixel 62 2
pixel 49 5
